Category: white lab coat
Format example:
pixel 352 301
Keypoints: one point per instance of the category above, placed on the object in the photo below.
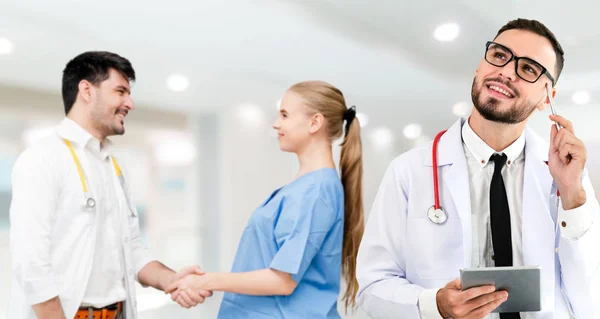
pixel 53 233
pixel 403 252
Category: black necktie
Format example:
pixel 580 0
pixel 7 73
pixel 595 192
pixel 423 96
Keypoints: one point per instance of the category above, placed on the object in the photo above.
pixel 500 219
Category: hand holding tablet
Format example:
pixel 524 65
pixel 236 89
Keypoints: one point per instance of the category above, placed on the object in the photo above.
pixel 521 283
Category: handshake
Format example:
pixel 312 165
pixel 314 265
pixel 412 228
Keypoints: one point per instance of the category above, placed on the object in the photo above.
pixel 186 287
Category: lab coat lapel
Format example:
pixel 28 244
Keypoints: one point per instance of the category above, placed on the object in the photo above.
pixel 538 228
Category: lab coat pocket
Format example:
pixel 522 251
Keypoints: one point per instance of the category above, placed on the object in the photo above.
pixel 436 251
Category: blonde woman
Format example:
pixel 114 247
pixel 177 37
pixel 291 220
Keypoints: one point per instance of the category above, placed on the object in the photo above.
pixel 305 236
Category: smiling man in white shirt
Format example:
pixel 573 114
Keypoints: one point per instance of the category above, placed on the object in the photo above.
pixel 510 198
pixel 74 237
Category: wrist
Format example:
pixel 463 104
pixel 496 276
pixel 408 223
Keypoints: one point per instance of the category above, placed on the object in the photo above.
pixel 213 281
pixel 573 199
pixel 437 302
pixel 166 279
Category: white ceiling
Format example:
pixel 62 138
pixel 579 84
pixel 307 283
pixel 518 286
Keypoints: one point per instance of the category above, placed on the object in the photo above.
pixel 382 56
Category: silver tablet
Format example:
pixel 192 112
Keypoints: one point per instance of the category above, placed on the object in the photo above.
pixel 522 284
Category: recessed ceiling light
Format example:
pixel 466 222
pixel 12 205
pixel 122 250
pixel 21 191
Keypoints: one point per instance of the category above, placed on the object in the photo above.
pixel 412 131
pixel 6 46
pixel 462 109
pixel 446 32
pixel 382 137
pixel 251 115
pixel 363 119
pixel 177 83
pixel 581 97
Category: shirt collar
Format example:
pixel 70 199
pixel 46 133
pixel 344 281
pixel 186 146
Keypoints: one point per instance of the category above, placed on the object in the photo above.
pixel 482 152
pixel 70 130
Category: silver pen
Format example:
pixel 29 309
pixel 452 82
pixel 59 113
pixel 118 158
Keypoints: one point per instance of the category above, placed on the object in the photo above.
pixel 552 108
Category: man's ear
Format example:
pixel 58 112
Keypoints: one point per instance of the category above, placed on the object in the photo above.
pixel 546 102
pixel 85 91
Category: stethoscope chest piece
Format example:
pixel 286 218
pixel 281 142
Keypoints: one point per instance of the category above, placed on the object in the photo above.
pixel 90 203
pixel 437 216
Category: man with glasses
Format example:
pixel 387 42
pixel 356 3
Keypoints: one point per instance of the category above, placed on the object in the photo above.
pixel 510 199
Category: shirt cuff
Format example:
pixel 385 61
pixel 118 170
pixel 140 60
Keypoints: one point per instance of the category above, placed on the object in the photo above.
pixel 40 290
pixel 428 304
pixel 574 223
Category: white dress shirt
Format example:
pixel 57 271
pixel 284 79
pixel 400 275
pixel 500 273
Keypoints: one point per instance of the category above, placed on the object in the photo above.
pixel 60 247
pixel 481 170
pixel 106 285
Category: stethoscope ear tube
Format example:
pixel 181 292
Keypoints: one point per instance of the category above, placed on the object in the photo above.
pixel 89 199
pixel 435 213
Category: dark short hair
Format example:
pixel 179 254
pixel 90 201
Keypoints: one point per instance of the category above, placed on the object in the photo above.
pixel 539 29
pixel 94 67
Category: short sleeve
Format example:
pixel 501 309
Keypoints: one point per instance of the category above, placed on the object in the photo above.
pixel 300 231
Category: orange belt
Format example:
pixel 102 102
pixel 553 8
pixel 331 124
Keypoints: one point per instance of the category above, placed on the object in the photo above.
pixel 108 312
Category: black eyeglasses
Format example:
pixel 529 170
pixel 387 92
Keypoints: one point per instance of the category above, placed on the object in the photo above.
pixel 526 68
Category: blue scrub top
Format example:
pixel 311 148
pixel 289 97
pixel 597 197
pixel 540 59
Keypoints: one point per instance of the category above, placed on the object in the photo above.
pixel 299 230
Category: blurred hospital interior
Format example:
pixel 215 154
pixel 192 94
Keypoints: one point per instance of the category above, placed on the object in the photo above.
pixel 210 75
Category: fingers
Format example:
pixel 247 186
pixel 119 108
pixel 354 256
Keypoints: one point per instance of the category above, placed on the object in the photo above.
pixel 553 133
pixel 566 137
pixel 568 146
pixel 193 270
pixel 190 297
pixel 475 292
pixel 182 302
pixel 483 311
pixel 454 284
pixel 486 298
pixel 182 273
pixel 198 271
pixel 189 271
pixel 172 286
pixel 566 124
pixel 564 152
pixel 195 296
pixel 184 295
pixel 558 138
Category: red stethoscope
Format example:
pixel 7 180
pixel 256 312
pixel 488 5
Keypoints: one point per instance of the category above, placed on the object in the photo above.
pixel 436 213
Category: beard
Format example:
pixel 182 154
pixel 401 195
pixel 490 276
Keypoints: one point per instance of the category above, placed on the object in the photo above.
pixel 106 123
pixel 517 113
pixel 117 129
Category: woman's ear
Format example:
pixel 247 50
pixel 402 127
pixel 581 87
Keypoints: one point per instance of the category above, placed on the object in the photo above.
pixel 316 122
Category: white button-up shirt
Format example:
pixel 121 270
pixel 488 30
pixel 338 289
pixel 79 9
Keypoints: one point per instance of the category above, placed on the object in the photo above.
pixel 481 170
pixel 106 285
pixel 60 247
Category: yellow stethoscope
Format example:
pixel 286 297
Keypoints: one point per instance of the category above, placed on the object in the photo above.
pixel 90 202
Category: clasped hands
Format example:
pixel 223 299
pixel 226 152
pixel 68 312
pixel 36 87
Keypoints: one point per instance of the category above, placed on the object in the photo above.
pixel 184 288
